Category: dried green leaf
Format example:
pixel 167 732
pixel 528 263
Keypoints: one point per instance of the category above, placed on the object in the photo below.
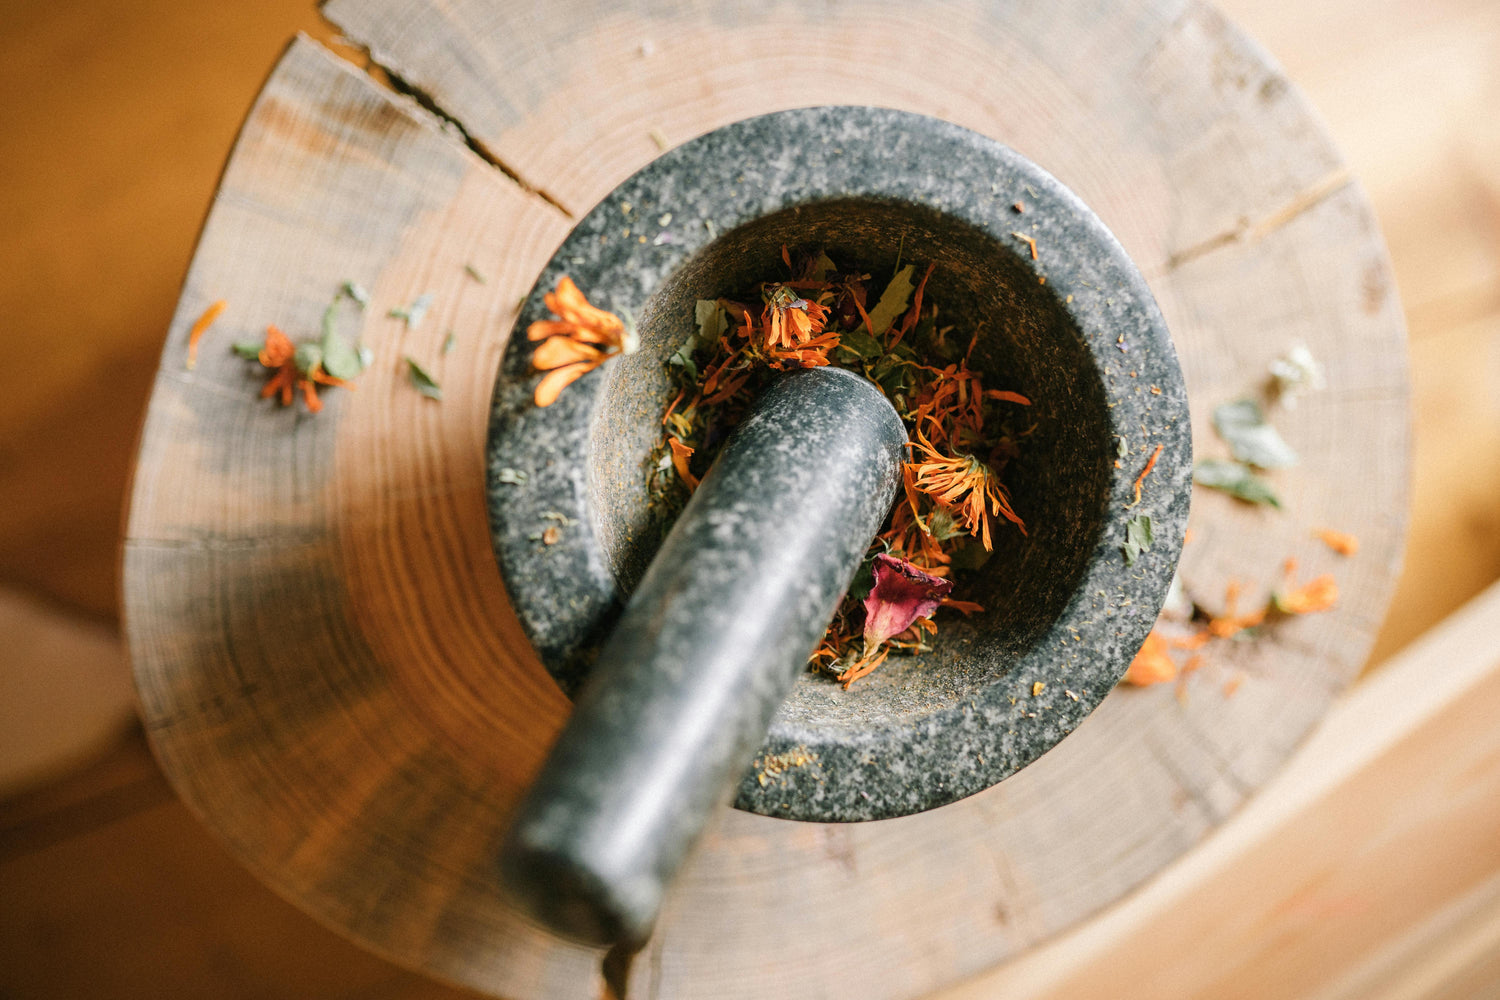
pixel 423 382
pixel 1138 538
pixel 822 268
pixel 449 341
pixel 713 321
pixel 861 344
pixel 971 555
pixel 356 292
pixel 248 350
pixel 415 312
pixel 473 272
pixel 307 358
pixel 340 359
pixel 1243 426
pixel 893 301
pixel 1235 479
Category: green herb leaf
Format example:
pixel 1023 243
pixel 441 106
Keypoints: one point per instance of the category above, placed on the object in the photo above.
pixel 1138 538
pixel 1252 440
pixel 822 267
pixel 248 349
pixel 449 341
pixel 356 292
pixel 473 272
pixel 861 344
pixel 514 477
pixel 423 382
pixel 414 313
pixel 971 555
pixel 1235 479
pixel 308 357
pixel 893 301
pixel 340 359
pixel 713 321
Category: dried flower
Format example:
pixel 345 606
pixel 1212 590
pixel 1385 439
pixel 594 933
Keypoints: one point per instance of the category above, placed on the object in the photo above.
pixel 902 593
pixel 966 485
pixel 581 339
pixel 1341 542
pixel 294 368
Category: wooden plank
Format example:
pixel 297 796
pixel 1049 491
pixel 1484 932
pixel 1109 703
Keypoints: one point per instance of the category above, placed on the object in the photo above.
pixel 1368 868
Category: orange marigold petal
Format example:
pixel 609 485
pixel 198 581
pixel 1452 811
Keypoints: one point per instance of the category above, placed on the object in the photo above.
pixel 1341 542
pixel 1152 665
pixel 196 333
pixel 680 455
pixel 558 379
pixel 558 351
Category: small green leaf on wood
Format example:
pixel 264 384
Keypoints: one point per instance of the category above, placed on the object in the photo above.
pixel 308 357
pixel 415 312
pixel 1236 479
pixel 356 292
pixel 340 359
pixel 1251 440
pixel 1138 538
pixel 473 272
pixel 449 341
pixel 423 382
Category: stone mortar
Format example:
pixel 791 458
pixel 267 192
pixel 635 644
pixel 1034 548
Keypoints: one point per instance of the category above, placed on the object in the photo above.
pixel 1075 330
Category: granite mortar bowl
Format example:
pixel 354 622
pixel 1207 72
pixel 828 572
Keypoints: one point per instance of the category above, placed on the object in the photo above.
pixel 1074 328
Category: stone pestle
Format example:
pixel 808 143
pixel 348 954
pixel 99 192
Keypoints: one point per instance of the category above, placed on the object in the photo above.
pixel 684 689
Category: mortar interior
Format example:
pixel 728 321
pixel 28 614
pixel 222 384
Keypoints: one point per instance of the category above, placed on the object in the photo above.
pixel 1027 343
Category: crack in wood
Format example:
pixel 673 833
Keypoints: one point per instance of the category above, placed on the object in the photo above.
pixel 387 77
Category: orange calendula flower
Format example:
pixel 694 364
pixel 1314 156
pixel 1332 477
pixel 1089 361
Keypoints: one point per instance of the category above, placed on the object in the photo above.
pixel 967 486
pixel 1153 664
pixel 581 339
pixel 290 373
pixel 790 321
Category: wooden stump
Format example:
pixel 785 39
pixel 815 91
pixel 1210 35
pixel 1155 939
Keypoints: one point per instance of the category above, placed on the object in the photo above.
pixel 328 667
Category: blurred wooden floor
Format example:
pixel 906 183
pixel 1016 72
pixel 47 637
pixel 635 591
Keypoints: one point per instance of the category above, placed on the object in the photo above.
pixel 116 121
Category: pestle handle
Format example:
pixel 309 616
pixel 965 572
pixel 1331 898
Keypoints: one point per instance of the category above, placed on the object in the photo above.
pixel 722 623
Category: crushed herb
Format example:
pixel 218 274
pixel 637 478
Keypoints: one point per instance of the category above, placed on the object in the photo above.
pixel 1341 542
pixel 1236 479
pixel 293 367
pixel 422 381
pixel 413 313
pixel 512 477
pixel 1139 537
pixel 356 291
pixel 1295 374
pixel 340 357
pixel 473 272
pixel 962 434
pixel 1030 242
pixel 1150 464
pixel 1251 439
pixel 448 341
pixel 202 323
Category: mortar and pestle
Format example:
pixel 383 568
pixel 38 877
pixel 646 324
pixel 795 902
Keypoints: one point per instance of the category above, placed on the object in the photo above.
pixel 687 658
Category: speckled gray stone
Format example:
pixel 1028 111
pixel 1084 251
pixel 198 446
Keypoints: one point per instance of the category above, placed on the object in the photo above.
pixel 718 629
pixel 1075 330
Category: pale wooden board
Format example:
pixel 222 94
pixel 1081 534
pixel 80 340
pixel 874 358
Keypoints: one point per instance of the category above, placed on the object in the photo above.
pixel 1369 868
pixel 328 669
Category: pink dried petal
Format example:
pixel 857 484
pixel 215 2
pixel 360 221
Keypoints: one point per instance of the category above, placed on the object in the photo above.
pixel 902 594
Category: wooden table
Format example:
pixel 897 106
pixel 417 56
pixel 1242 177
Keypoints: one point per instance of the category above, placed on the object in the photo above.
pixel 327 668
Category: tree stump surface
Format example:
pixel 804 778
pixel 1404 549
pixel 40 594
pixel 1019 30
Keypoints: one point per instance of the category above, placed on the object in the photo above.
pixel 327 664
